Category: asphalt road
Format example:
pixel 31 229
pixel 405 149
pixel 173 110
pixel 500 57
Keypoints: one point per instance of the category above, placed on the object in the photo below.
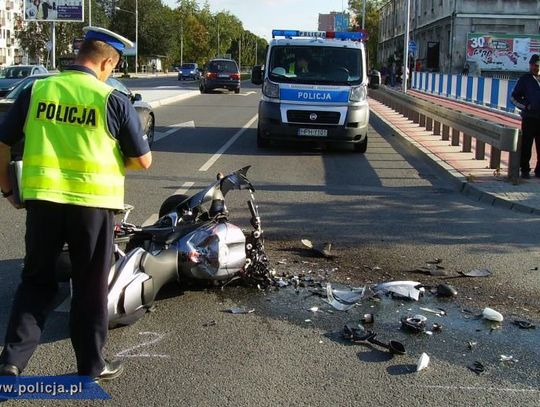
pixel 386 212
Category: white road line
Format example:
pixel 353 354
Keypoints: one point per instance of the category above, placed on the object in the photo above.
pixel 185 188
pixel 216 156
pixel 489 389
pixel 248 93
pixel 154 217
pixel 173 128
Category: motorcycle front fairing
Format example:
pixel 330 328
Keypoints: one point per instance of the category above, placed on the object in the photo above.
pixel 214 251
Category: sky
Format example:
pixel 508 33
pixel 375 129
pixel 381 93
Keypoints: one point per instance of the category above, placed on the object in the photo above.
pixel 262 16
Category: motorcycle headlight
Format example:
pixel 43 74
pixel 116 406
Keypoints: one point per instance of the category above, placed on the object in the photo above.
pixel 270 89
pixel 358 93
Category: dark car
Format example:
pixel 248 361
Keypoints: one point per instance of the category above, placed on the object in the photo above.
pixel 188 71
pixel 144 110
pixel 10 76
pixel 220 73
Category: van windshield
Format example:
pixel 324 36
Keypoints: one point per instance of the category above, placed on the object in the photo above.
pixel 316 65
pixel 188 66
pixel 222 66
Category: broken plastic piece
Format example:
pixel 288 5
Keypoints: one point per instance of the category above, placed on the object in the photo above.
pixel 240 310
pixel 524 324
pixel 477 273
pixel 343 300
pixel 404 289
pixel 423 362
pixel 210 323
pixel 477 367
pixel 436 260
pixel 492 315
pixel 471 344
pixel 446 290
pixel 314 309
pixel 436 327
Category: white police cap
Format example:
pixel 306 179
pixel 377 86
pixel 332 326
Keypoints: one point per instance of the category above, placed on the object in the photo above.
pixel 116 41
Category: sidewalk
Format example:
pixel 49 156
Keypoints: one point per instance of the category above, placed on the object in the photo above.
pixel 477 179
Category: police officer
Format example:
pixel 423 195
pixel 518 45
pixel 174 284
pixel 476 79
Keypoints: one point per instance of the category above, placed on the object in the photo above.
pixel 79 137
pixel 526 97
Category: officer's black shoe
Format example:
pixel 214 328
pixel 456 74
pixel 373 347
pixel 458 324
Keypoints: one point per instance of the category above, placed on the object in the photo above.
pixel 525 175
pixel 9 370
pixel 111 371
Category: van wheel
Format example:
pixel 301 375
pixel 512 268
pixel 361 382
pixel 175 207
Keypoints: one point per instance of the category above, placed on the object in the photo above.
pixel 237 90
pixel 202 89
pixel 361 147
pixel 261 142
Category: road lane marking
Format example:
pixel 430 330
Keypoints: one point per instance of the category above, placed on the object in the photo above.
pixel 489 389
pixel 251 92
pixel 129 352
pixel 224 148
pixel 173 128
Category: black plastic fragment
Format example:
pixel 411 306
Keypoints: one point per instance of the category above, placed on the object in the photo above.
pixel 477 367
pixel 412 324
pixel 524 324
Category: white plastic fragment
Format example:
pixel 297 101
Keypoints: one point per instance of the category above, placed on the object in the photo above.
pixel 492 315
pixel 314 309
pixel 423 362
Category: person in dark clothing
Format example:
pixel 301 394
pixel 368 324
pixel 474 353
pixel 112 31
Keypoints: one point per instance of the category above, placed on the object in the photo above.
pixel 526 97
pixel 80 135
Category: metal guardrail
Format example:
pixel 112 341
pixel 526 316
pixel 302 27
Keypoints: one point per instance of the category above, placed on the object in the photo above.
pixel 451 123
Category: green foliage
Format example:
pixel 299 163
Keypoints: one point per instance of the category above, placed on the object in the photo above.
pixel 371 25
pixel 189 31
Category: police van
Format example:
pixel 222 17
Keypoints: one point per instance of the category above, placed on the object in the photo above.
pixel 314 89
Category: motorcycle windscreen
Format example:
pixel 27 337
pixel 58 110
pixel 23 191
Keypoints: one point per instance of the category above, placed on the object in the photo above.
pixel 213 252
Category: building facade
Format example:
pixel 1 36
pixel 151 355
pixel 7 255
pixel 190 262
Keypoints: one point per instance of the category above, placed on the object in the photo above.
pixel 444 32
pixel 10 53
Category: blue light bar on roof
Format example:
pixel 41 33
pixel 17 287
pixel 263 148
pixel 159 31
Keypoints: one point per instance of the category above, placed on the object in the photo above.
pixel 354 36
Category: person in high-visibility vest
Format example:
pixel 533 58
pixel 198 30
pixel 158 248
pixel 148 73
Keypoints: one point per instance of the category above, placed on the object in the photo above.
pixel 301 63
pixel 80 135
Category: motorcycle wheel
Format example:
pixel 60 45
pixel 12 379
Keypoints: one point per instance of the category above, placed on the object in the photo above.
pixel 170 203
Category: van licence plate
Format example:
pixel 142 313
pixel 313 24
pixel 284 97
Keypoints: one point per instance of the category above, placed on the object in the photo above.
pixel 313 132
pixel 223 76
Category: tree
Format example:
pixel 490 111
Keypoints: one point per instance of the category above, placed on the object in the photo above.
pixel 371 25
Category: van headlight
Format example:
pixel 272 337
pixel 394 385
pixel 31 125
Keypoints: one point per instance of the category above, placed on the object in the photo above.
pixel 358 93
pixel 270 89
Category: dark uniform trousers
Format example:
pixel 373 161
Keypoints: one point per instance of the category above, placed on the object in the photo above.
pixel 89 234
pixel 530 131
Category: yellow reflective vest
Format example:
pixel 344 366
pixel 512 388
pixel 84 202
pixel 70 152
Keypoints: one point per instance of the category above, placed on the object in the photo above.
pixel 69 155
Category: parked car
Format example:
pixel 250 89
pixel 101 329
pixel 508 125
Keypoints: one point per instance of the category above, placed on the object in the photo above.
pixel 144 110
pixel 220 73
pixel 10 76
pixel 188 71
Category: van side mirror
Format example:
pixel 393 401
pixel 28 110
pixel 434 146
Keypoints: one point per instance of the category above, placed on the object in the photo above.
pixel 257 75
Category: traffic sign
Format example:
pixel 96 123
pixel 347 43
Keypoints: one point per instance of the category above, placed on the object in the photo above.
pixel 412 46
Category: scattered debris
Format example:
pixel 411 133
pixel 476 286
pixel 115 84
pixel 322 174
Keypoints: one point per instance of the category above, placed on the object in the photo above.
pixel 436 327
pixel 477 367
pixel 415 324
pixel 367 319
pixel 446 290
pixel 314 309
pixel 509 358
pixel 423 362
pixel 323 250
pixel 471 344
pixel 402 289
pixel 394 347
pixel 240 310
pixel 436 260
pixel 280 282
pixel 439 312
pixel 534 269
pixel 210 323
pixel 492 315
pixel 476 273
pixel 524 324
pixel 432 269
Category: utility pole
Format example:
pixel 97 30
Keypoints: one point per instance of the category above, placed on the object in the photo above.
pixel 217 56
pixel 90 13
pixel 240 54
pixel 255 51
pixel 363 14
pixel 404 75
pixel 181 44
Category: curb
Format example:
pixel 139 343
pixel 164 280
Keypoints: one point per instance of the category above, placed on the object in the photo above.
pixel 467 188
pixel 172 99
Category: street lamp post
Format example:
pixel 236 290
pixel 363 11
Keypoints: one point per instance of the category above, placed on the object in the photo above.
pixel 136 32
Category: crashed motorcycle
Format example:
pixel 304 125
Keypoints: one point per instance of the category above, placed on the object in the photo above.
pixel 192 239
